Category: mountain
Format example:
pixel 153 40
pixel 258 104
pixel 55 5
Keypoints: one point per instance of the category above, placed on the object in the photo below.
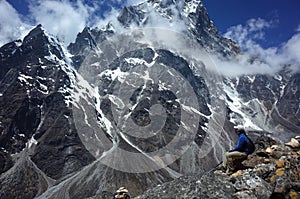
pixel 35 83
pixel 129 105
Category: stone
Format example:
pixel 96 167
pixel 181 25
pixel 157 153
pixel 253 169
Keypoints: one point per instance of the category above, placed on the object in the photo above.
pixel 293 194
pixel 252 161
pixel 238 173
pixel 253 183
pixel 277 154
pixel 269 150
pixel 244 195
pixel 262 154
pixel 280 172
pixel 293 143
pixel 274 147
pixel 272 179
pixel 280 187
pixel 280 163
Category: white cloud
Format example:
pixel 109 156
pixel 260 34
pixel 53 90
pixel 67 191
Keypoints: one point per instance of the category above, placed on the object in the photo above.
pixel 11 25
pixel 153 19
pixel 257 59
pixel 66 18
pixel 298 28
pixel 253 30
pixel 61 18
pixel 258 24
pixel 291 50
pixel 174 22
pixel 110 17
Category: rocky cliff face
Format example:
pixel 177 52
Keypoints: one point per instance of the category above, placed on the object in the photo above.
pixel 35 76
pixel 269 101
pixel 133 109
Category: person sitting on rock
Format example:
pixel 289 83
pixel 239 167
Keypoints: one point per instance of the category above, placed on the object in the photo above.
pixel 243 148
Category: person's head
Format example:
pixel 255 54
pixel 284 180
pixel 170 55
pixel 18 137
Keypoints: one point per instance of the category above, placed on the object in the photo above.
pixel 239 131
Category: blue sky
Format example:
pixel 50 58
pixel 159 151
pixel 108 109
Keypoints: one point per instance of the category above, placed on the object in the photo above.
pixel 266 28
pixel 284 16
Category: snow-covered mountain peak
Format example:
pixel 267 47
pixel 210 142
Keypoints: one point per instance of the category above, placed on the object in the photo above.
pixel 126 105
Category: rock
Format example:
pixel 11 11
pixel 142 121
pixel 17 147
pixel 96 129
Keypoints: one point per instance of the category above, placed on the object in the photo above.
pixel 264 170
pixel 294 143
pixel 262 154
pixel 252 161
pixel 280 172
pixel 253 184
pixel 280 188
pixel 295 186
pixel 277 154
pixel 262 142
pixel 272 179
pixel 244 195
pixel 5 161
pixel 207 186
pixel 274 147
pixel 280 163
pixel 238 173
pixel 293 194
pixel 269 150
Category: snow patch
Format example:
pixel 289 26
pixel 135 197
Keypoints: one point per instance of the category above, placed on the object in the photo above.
pixel 31 142
pixel 278 77
pixel 251 79
pixel 236 104
pixel 190 7
pixel 113 74
pixel 135 61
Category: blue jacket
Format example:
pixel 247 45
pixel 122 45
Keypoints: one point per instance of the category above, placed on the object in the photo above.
pixel 243 144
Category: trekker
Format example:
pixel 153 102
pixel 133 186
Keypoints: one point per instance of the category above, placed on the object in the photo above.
pixel 243 148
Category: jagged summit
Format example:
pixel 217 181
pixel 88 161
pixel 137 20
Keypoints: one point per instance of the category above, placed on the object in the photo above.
pixel 191 12
pixel 188 17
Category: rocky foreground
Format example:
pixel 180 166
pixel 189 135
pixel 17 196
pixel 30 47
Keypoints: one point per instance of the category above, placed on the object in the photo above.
pixel 272 171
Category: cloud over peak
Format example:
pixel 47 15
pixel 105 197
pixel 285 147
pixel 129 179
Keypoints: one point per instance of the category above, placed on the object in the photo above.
pixel 11 25
pixel 61 18
pixel 257 59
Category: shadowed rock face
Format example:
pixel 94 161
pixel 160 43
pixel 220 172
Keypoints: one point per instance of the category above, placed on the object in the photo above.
pixel 272 101
pixel 33 107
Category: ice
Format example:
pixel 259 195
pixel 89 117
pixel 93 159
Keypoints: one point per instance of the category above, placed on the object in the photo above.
pixel 113 74
pixel 236 105
pixel 251 79
pixel 31 142
pixel 192 110
pixel 135 61
pixel 278 77
pixel 24 79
